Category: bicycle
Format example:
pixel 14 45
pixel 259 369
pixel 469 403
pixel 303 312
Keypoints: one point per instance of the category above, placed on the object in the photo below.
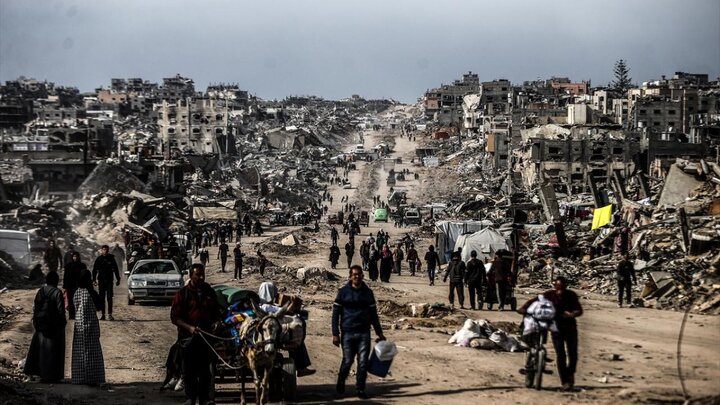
pixel 541 314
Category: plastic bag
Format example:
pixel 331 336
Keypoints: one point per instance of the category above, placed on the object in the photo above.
pixel 385 350
pixel 463 337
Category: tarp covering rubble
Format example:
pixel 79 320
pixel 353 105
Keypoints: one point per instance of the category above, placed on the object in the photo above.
pixel 214 214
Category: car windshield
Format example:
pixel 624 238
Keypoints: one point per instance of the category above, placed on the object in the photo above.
pixel 156 268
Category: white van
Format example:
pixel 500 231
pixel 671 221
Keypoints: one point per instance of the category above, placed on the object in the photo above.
pixel 17 244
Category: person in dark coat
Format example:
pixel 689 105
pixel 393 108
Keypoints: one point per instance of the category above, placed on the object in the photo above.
pixel 475 278
pixel 71 278
pixel 432 261
pixel 354 313
pixel 104 268
pixel 502 276
pixel 223 250
pixel 349 252
pixel 52 256
pixel 625 275
pixel 67 257
pixel 373 263
pixel 334 256
pixel 238 256
pixel 386 264
pixel 46 356
pixel 565 339
pixel 262 262
pixel 456 273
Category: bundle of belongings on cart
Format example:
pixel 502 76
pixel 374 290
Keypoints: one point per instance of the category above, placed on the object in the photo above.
pixel 243 305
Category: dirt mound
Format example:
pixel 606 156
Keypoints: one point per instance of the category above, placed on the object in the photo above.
pixel 274 244
pixel 393 309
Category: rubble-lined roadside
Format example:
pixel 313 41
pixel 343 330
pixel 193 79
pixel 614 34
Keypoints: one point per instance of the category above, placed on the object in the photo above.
pixel 676 260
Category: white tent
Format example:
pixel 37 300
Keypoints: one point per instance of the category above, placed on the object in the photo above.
pixel 485 242
pixel 448 232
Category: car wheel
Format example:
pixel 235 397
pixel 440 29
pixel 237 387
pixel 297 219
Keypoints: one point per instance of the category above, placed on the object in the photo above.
pixel 131 301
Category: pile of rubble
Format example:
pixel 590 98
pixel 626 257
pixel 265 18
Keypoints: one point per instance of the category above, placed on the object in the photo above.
pixel 672 225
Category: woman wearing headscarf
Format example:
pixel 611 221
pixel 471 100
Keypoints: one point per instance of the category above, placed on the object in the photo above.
pixel 373 263
pixel 71 277
pixel 386 264
pixel 88 366
pixel 46 357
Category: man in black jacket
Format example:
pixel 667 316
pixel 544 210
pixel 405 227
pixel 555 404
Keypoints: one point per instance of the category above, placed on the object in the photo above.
pixel 625 272
pixel 103 270
pixel 354 311
pixel 456 272
pixel 474 278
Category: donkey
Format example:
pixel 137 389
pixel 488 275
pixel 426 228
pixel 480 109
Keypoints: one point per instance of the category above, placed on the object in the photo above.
pixel 261 340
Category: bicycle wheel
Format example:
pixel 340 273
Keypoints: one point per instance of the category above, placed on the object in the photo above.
pixel 540 362
pixel 530 368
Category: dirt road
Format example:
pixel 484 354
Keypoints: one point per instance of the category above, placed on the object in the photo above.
pixel 427 370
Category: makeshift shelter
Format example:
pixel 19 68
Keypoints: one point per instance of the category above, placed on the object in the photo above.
pixel 448 232
pixel 485 242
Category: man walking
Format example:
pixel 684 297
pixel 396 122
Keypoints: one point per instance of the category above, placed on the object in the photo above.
pixel 474 278
pixel 432 261
pixel 334 235
pixel 223 255
pixel 398 255
pixel 238 256
pixel 52 256
pixel 194 311
pixel 412 257
pixel 565 340
pixel 104 268
pixel 349 252
pixel 501 275
pixel 625 272
pixel 354 312
pixel 456 273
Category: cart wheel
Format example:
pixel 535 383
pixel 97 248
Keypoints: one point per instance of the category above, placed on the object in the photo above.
pixel 289 380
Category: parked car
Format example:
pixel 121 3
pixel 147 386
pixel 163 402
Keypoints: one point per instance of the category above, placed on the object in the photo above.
pixel 412 217
pixel 154 280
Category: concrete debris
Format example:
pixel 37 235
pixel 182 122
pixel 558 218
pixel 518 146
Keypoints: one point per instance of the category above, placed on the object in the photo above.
pixel 669 225
pixel 312 273
pixel 289 240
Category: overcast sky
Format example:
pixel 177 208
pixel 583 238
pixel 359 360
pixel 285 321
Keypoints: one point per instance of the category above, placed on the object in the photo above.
pixel 335 48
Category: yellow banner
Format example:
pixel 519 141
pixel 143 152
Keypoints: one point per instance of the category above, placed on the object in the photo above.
pixel 602 216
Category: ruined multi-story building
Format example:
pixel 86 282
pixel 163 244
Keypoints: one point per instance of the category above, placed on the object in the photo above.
pixel 444 104
pixel 197 125
pixel 567 156
pixel 176 88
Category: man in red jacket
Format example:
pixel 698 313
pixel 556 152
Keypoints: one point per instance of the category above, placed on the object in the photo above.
pixel 195 310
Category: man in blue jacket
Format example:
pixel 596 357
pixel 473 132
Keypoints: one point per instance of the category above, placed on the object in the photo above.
pixel 354 311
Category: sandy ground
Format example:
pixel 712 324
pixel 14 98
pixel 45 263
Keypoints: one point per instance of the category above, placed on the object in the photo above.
pixel 427 369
